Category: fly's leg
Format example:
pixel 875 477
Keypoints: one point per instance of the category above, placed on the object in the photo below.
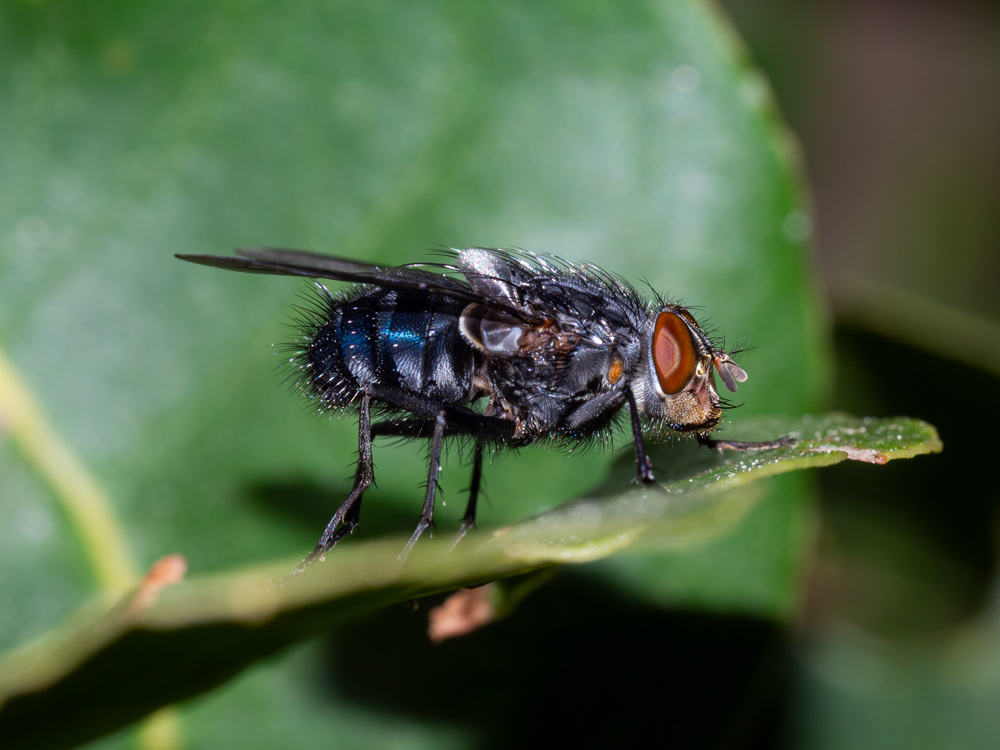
pixel 345 520
pixel 644 467
pixel 738 445
pixel 469 519
pixel 427 514
pixel 449 422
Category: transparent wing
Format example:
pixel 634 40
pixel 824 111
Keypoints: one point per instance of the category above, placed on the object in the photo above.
pixel 313 265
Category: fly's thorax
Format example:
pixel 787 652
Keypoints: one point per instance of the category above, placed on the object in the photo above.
pixel 552 376
pixel 677 386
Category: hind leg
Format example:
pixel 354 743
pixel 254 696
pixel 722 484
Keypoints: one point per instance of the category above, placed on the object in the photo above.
pixel 469 519
pixel 345 520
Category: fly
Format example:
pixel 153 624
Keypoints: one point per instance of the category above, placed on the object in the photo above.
pixel 499 347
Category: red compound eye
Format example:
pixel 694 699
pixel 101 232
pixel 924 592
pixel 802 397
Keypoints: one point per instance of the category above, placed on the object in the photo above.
pixel 674 354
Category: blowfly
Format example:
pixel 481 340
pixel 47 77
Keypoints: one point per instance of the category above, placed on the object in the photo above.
pixel 500 348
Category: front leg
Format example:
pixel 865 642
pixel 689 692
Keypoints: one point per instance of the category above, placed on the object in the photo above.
pixel 644 467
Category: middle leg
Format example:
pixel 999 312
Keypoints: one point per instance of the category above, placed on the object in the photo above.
pixel 427 513
pixel 481 430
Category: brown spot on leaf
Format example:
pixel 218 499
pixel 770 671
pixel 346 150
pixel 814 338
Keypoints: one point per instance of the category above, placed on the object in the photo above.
pixel 867 455
pixel 164 572
pixel 461 613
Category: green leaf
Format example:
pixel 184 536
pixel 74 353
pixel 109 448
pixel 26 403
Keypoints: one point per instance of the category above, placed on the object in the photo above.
pixel 237 618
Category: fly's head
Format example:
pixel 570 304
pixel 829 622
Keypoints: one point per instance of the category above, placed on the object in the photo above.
pixel 677 389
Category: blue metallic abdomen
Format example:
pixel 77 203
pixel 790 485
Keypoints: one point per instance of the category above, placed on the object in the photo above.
pixel 404 340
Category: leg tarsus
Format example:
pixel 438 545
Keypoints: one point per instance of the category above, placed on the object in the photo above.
pixel 467 525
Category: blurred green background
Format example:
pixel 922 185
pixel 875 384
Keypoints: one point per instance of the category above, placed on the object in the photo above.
pixel 640 138
pixel 895 106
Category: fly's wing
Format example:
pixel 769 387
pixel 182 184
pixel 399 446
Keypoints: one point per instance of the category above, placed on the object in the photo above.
pixel 313 265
